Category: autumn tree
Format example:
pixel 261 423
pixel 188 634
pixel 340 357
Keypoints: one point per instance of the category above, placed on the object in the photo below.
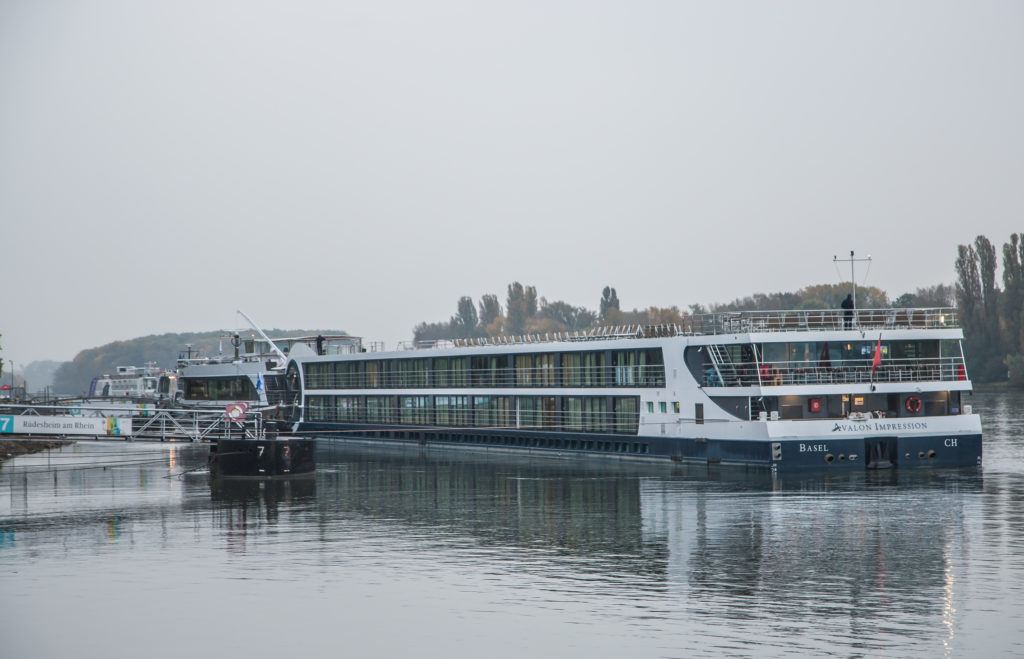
pixel 940 295
pixel 490 310
pixel 567 316
pixel 520 306
pixel 464 322
pixel 1013 293
pixel 609 300
pixel 989 291
pixel 977 303
pixel 426 332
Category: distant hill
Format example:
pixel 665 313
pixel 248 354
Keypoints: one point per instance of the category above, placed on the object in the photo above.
pixel 73 377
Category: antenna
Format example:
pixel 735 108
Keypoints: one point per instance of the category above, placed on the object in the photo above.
pixel 853 279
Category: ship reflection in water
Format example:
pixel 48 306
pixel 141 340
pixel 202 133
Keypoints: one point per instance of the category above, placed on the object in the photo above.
pixel 865 562
pixel 414 553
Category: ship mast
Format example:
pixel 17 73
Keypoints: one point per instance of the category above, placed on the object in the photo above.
pixel 853 279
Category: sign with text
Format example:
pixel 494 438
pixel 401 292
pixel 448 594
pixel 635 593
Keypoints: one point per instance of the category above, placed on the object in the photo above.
pixel 65 425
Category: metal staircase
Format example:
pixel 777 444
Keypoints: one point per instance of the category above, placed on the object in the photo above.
pixel 724 367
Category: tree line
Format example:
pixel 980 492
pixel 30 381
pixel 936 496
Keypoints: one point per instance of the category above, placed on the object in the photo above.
pixel 526 313
pixel 992 317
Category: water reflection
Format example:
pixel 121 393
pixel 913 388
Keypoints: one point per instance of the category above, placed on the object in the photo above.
pixel 860 555
pixel 244 506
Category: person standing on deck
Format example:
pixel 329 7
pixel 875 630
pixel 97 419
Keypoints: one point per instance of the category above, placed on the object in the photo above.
pixel 847 306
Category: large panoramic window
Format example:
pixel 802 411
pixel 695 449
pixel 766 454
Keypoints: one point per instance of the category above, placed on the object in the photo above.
pixel 230 389
pixel 574 369
pixel 575 414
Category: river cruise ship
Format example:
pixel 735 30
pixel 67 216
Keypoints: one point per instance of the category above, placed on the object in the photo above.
pixel 127 382
pixel 775 389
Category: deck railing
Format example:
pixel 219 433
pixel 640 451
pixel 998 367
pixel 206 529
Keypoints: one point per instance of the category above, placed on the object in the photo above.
pixel 734 322
pixel 774 374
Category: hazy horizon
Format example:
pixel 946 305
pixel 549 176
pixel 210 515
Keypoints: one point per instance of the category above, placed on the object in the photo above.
pixel 325 164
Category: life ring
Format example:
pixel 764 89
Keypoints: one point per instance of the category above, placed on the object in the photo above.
pixel 913 404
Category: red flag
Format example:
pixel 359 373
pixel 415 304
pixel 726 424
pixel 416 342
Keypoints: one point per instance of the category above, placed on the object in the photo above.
pixel 878 355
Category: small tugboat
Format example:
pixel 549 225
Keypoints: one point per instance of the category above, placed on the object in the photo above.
pixel 277 457
pixel 256 450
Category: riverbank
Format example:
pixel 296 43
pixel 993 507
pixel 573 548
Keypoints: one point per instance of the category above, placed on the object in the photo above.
pixel 12 448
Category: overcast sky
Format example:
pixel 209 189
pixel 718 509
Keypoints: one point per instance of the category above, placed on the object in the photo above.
pixel 362 165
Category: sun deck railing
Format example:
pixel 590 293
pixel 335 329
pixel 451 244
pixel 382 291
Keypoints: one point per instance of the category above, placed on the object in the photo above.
pixel 728 322
pixel 801 320
pixel 776 374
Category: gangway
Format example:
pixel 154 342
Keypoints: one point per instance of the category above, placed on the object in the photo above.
pixel 123 423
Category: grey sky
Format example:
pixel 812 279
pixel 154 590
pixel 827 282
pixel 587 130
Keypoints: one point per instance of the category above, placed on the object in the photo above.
pixel 362 165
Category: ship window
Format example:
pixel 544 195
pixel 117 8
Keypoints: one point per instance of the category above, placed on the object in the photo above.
pixel 627 415
pixel 460 410
pixel 529 412
pixel 414 409
pixel 524 370
pixel 593 369
pixel 481 411
pixel 316 408
pixel 458 372
pixel 378 409
pixel 625 368
pixel 675 407
pixel 650 407
pixel 571 374
pixel 488 370
pixel 235 388
pixel 373 375
pixel 595 410
pixel 652 367
pixel 440 371
pixel 773 353
pixel 572 413
pixel 347 375
pixel 348 409
pixel 491 411
pixel 544 368
pixel 663 407
pixel 698 412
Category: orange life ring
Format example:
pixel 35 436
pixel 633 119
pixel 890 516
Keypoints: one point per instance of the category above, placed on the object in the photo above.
pixel 913 404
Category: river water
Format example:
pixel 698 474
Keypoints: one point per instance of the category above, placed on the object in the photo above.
pixel 118 550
